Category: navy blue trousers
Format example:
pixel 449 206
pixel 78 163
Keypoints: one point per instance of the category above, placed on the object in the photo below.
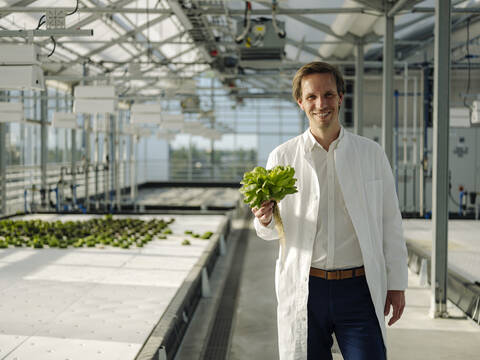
pixel 343 307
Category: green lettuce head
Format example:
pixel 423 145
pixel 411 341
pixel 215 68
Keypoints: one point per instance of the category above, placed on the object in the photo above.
pixel 261 185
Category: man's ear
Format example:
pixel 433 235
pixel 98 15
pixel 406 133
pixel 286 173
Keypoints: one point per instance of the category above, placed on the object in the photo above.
pixel 299 102
pixel 341 99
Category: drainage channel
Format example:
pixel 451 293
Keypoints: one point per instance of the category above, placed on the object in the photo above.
pixel 217 345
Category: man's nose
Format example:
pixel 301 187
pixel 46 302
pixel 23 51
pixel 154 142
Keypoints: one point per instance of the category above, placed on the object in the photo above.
pixel 320 102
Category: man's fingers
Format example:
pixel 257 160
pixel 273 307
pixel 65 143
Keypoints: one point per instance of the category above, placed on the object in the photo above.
pixel 393 320
pixel 265 209
pixel 397 313
pixel 386 310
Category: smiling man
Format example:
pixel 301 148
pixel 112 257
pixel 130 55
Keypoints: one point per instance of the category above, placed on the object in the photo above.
pixel 345 262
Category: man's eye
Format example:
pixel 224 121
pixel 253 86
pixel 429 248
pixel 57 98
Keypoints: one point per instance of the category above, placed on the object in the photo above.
pixel 329 95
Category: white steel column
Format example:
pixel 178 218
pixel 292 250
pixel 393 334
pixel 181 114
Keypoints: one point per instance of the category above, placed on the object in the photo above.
pixel 3 165
pixel 74 151
pixel 359 89
pixel 44 143
pixel 441 121
pixel 387 103
pixel 96 151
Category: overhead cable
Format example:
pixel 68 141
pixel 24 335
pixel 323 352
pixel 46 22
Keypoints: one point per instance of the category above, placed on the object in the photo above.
pixel 246 23
pixel 280 32
pixel 75 10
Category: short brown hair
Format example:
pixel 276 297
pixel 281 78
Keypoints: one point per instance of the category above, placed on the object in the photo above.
pixel 316 67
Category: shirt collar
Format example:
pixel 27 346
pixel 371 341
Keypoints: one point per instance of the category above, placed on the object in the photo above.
pixel 310 141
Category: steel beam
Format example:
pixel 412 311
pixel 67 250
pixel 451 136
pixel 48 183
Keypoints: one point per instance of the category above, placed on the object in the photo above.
pixel 359 84
pixel 387 103
pixel 116 41
pixel 205 11
pixel 46 33
pixel 440 183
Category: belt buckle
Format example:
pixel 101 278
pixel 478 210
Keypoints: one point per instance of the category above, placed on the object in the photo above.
pixel 338 274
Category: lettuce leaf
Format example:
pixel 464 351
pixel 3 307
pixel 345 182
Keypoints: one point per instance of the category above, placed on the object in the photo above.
pixel 261 185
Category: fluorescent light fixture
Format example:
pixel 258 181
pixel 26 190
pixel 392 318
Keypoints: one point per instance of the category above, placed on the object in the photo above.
pixel 172 118
pixel 15 54
pixel 11 112
pixel 476 113
pixel 144 132
pixel 24 77
pixel 94 92
pixel 166 136
pixel 95 99
pixel 193 128
pixel 145 118
pixel 146 113
pixel 146 108
pixel 64 120
pixel 172 121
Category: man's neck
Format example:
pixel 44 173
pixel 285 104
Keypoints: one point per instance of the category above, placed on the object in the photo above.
pixel 325 136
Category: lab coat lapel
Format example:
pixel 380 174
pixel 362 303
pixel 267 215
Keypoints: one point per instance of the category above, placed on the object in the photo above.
pixel 349 176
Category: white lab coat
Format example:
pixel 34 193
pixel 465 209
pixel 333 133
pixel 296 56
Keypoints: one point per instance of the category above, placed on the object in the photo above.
pixel 367 184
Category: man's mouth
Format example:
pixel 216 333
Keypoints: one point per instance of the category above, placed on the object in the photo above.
pixel 323 114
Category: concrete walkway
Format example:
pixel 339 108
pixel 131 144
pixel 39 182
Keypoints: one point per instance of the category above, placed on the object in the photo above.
pixel 415 336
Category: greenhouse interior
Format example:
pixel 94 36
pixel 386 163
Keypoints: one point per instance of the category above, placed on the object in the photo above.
pixel 137 145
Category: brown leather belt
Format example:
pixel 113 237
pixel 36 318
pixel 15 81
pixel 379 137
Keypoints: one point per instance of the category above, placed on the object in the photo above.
pixel 337 274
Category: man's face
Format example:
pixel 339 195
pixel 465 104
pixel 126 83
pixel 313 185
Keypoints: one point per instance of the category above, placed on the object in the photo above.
pixel 320 100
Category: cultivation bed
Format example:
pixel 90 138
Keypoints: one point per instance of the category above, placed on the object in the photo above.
pixel 194 197
pixel 91 302
pixel 463 245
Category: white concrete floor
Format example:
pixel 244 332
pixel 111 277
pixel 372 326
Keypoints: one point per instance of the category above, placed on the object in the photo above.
pixel 415 336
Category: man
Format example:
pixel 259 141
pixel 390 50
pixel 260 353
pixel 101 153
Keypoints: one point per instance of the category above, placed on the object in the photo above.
pixel 345 259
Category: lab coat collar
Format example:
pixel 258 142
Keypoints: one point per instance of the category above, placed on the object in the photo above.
pixel 310 141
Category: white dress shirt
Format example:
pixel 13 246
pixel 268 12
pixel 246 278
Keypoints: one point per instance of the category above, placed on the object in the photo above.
pixel 336 244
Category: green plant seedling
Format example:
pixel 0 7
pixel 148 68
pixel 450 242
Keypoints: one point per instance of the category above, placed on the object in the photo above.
pixel 207 235
pixel 186 242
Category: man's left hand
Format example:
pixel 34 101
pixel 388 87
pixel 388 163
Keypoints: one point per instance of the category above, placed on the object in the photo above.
pixel 395 298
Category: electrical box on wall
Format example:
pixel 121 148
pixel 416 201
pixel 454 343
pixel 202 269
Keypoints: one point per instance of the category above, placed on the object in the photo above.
pixel 475 117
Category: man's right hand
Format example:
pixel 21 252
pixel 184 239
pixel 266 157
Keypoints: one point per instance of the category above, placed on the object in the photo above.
pixel 264 213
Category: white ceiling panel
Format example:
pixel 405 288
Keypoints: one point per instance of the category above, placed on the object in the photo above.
pixel 115 53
